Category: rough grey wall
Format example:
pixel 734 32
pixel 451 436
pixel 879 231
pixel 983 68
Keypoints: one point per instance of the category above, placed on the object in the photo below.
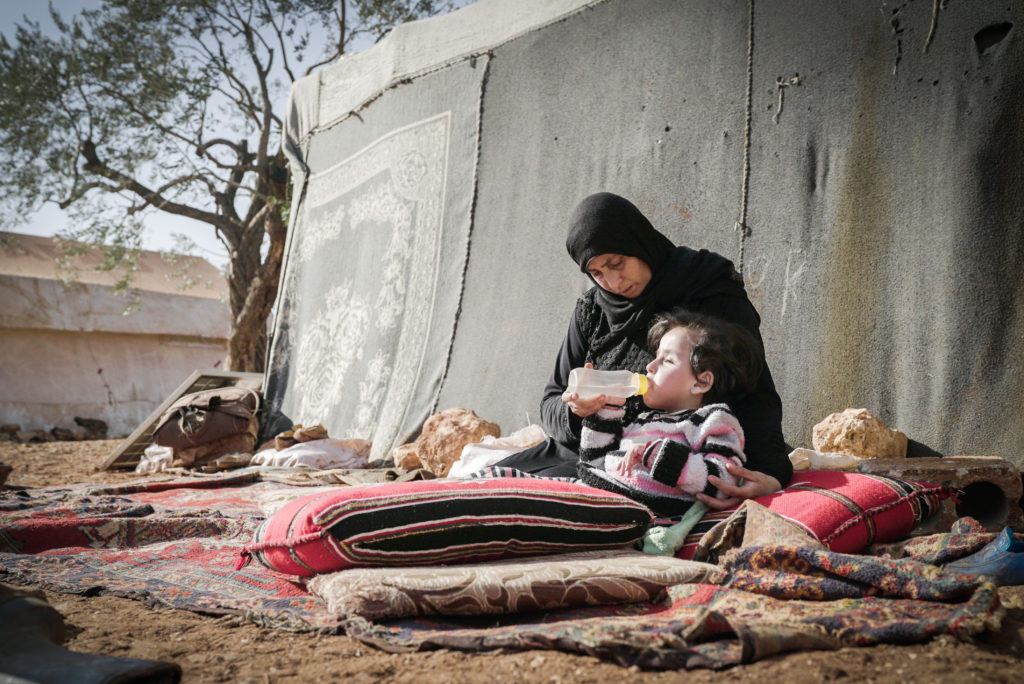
pixel 885 217
pixel 886 222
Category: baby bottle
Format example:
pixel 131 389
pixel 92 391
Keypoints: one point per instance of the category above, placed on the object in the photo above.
pixel 589 382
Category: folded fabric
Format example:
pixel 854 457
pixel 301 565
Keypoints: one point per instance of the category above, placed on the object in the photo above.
pixel 476 457
pixel 508 586
pixel 809 459
pixel 155 459
pixel 966 535
pixel 321 453
pixel 490 450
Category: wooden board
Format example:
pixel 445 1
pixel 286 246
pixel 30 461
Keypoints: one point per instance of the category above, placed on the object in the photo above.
pixel 129 452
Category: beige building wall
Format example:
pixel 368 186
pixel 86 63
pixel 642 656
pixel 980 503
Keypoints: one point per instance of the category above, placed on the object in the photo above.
pixel 72 349
pixel 48 376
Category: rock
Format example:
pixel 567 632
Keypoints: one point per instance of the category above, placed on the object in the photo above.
pixel 10 429
pixel 858 433
pixel 309 434
pixel 443 436
pixel 94 427
pixel 405 457
pixel 284 440
pixel 33 436
pixel 63 434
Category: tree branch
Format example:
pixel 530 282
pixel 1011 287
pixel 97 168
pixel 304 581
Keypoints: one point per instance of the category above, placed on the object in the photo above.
pixel 278 31
pixel 80 192
pixel 93 164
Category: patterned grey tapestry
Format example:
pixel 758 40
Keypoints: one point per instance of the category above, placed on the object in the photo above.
pixel 375 262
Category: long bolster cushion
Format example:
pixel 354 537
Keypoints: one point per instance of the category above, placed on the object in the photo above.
pixel 430 522
pixel 849 511
pixel 844 511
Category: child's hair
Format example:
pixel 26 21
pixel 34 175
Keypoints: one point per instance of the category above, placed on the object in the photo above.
pixel 729 351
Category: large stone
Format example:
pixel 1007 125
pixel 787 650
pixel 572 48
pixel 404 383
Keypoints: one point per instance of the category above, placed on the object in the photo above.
pixel 858 433
pixel 63 434
pixel 442 438
pixel 988 488
pixel 34 436
pixel 405 457
pixel 94 427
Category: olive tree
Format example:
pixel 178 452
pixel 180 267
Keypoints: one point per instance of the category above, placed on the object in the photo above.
pixel 175 106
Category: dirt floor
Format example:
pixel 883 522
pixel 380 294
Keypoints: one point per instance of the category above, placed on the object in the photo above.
pixel 223 649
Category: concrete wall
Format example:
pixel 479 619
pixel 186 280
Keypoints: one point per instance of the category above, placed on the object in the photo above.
pixel 47 377
pixel 73 349
pixel 886 224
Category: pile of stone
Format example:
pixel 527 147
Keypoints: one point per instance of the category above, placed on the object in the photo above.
pixel 84 429
pixel 440 442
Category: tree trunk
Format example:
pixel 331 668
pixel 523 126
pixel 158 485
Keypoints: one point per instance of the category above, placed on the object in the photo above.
pixel 247 352
pixel 253 285
pixel 247 343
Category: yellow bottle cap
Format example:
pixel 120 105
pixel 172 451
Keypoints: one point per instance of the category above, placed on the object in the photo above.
pixel 641 387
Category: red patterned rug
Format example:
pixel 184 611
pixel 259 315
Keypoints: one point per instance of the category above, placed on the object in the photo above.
pixel 175 544
pixel 170 544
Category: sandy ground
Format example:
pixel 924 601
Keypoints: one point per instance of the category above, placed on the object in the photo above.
pixel 211 649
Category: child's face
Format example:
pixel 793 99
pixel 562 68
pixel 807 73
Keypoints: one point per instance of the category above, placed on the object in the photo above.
pixel 672 385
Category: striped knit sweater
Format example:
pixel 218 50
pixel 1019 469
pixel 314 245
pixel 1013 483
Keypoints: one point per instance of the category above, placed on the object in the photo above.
pixel 661 459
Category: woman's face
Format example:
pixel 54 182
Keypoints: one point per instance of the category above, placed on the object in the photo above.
pixel 625 276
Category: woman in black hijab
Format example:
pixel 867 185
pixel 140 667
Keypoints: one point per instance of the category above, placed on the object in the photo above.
pixel 638 273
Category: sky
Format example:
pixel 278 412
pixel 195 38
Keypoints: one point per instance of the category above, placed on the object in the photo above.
pixel 159 227
pixel 50 219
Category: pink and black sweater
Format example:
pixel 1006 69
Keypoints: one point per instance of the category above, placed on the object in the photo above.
pixel 661 459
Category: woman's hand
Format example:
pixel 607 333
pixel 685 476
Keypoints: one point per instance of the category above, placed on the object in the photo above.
pixel 584 407
pixel 754 484
pixel 588 406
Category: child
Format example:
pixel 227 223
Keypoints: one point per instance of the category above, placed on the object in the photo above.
pixel 662 457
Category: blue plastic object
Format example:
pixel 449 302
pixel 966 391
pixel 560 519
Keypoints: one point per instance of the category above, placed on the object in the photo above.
pixel 1002 559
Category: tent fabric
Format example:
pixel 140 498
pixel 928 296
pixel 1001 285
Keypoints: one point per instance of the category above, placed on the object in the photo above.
pixel 879 185
pixel 375 263
pixel 411 50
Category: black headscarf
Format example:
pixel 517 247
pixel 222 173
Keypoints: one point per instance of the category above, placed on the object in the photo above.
pixel 608 224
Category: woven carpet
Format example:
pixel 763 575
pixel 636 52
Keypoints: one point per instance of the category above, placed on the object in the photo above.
pixel 174 544
pixel 781 599
pixel 170 544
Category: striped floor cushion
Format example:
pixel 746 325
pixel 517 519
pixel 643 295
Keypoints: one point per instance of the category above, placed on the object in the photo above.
pixel 443 521
pixel 848 511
